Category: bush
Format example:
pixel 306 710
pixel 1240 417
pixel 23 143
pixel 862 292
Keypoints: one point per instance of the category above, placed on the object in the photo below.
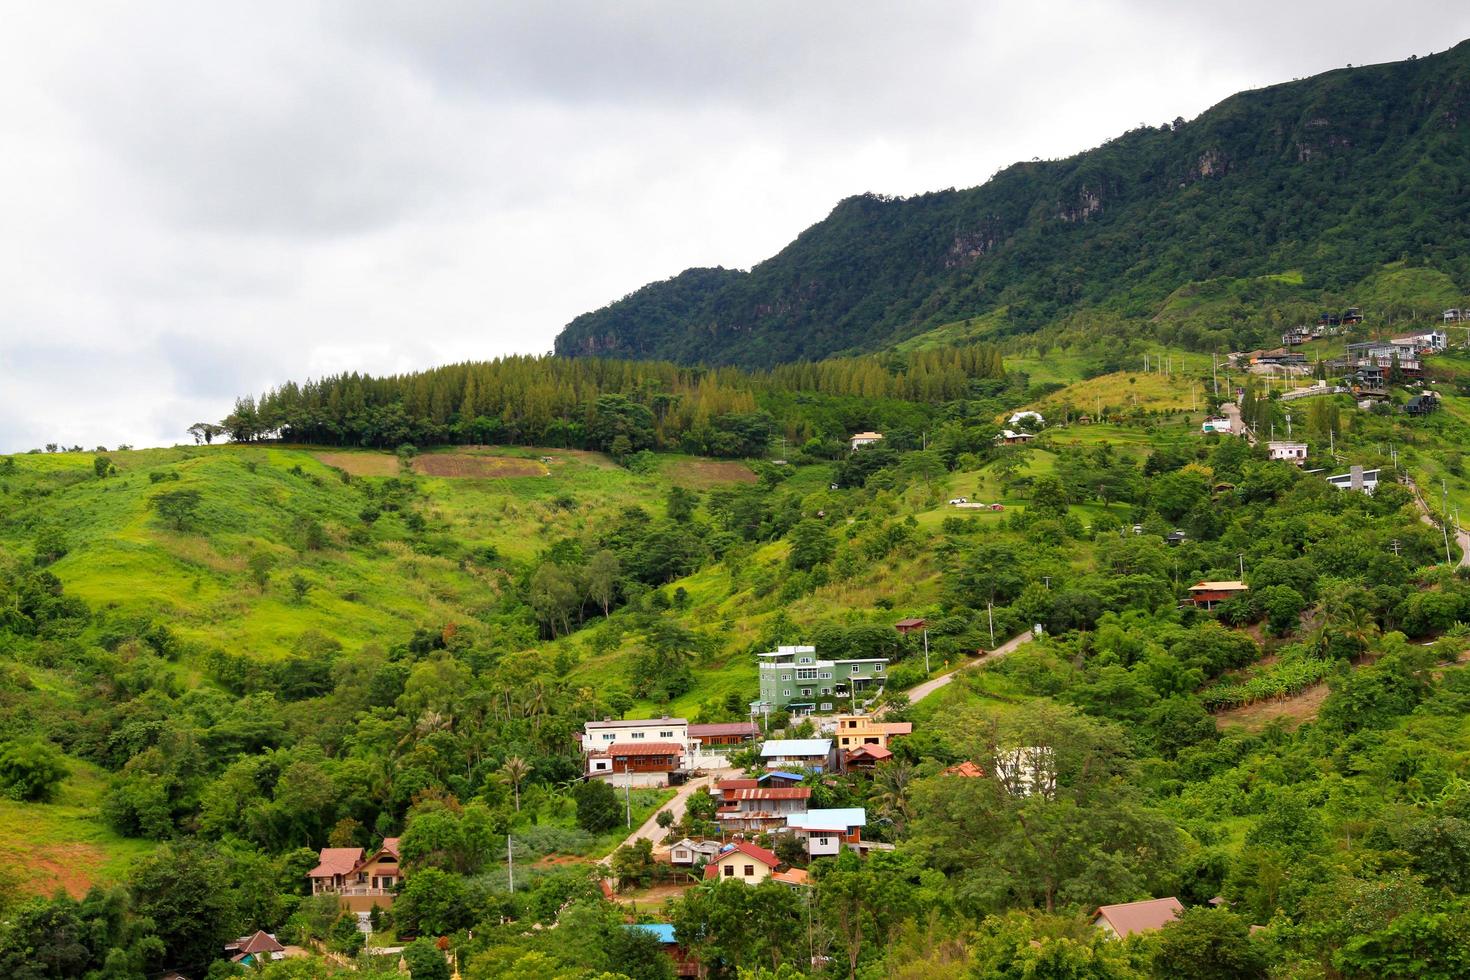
pixel 30 770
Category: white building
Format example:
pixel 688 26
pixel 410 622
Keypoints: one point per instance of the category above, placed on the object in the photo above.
pixel 801 753
pixel 1291 452
pixel 1431 340
pixel 1027 769
pixel 599 737
pixel 826 831
pixel 1357 478
pixel 865 439
pixel 1218 423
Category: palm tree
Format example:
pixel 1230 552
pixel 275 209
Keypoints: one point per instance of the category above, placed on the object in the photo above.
pixel 516 770
pixel 892 783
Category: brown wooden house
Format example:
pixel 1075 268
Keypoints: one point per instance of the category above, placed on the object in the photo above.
pixel 360 880
pixel 645 757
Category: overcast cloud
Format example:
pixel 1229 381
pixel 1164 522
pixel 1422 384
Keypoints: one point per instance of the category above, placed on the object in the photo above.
pixel 202 200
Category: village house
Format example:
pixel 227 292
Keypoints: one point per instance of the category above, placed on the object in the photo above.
pixel 854 730
pixel 742 861
pixel 793 679
pixel 746 804
pixel 1428 342
pixel 258 948
pixel 864 758
pixel 965 770
pixel 1122 921
pixel 862 439
pixel 599 738
pixel 1009 438
pixel 800 753
pixel 1290 452
pixel 1207 594
pixel 724 734
pixel 359 881
pixel 642 757
pixel 1453 316
pixel 688 852
pixel 685 963
pixel 826 832
pixel 1217 423
pixel 1423 404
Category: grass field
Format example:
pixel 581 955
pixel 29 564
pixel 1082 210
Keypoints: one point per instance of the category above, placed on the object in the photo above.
pixel 66 845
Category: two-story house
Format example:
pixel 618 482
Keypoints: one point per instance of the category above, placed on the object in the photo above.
pixel 360 880
pixel 628 745
pixel 798 753
pixel 855 730
pixel 793 679
pixel 750 805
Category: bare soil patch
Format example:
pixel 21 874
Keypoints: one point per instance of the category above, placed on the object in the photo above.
pixel 701 474
pixel 474 466
pixel 362 464
pixel 1255 717
pixel 72 867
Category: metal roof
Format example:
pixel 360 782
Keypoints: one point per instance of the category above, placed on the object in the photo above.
pixel 834 820
pixel 796 746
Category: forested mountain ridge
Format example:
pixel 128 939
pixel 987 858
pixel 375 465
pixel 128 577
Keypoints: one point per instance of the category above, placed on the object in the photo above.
pixel 1334 175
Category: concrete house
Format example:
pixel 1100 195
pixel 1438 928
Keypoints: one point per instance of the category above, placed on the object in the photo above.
pixel 793 679
pixel 741 861
pixel 826 832
pixel 360 881
pixel 600 737
pixel 1357 478
pixel 855 730
pixel 1290 452
pixel 861 439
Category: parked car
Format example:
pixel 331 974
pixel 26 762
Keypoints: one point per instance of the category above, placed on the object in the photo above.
pixel 960 500
pixel 997 506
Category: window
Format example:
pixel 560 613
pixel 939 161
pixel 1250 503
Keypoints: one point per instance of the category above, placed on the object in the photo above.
pixel 826 705
pixel 608 737
pixel 638 735
pixel 807 674
pixel 824 841
pixel 806 692
pixel 729 871
pixel 855 669
pixel 877 668
pixel 750 871
pixel 665 734
pixel 826 675
pixel 805 660
pixel 786 693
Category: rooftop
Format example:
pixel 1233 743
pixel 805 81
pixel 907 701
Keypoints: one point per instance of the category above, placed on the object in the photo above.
pixel 1233 586
pixel 835 820
pixel 645 748
pixel 724 728
pixel 796 747
pixel 1146 916
pixel 634 722
pixel 662 931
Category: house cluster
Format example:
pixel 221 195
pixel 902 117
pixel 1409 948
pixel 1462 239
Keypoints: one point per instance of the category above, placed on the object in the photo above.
pixel 1327 325
pixel 793 679
pixel 657 745
pixel 1373 363
pixel 359 879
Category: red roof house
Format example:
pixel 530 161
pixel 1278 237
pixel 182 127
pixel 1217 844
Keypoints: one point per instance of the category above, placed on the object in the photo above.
pixel 742 861
pixel 1124 920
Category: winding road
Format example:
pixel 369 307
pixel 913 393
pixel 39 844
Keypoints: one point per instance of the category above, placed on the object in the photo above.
pixel 1462 537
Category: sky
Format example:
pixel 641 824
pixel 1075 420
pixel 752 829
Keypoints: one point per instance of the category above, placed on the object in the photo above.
pixel 202 200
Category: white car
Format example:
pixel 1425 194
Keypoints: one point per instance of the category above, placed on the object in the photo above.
pixel 960 500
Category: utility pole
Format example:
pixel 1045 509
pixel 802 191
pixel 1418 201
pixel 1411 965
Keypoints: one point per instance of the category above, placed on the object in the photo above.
pixel 926 651
pixel 1241 557
pixel 510 864
pixel 1445 524
pixel 628 795
pixel 1214 377
pixel 990 612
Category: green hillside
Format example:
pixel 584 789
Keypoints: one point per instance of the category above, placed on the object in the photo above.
pixel 1332 177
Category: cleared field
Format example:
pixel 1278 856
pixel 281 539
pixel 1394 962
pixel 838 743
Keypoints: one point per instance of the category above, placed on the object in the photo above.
pixel 475 466
pixel 362 464
pixel 701 474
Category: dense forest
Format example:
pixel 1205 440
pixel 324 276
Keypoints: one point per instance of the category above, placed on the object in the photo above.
pixel 617 406
pixel 1330 177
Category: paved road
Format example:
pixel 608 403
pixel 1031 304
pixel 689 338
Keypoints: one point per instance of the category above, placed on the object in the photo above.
pixel 1462 537
pixel 921 691
pixel 1232 412
pixel 650 828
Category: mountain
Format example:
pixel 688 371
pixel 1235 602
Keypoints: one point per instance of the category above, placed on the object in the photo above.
pixel 1331 178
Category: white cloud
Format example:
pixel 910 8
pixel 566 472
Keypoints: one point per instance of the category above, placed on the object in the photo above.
pixel 199 201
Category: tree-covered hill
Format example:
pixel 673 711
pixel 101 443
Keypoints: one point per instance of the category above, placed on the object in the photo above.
pixel 1332 176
